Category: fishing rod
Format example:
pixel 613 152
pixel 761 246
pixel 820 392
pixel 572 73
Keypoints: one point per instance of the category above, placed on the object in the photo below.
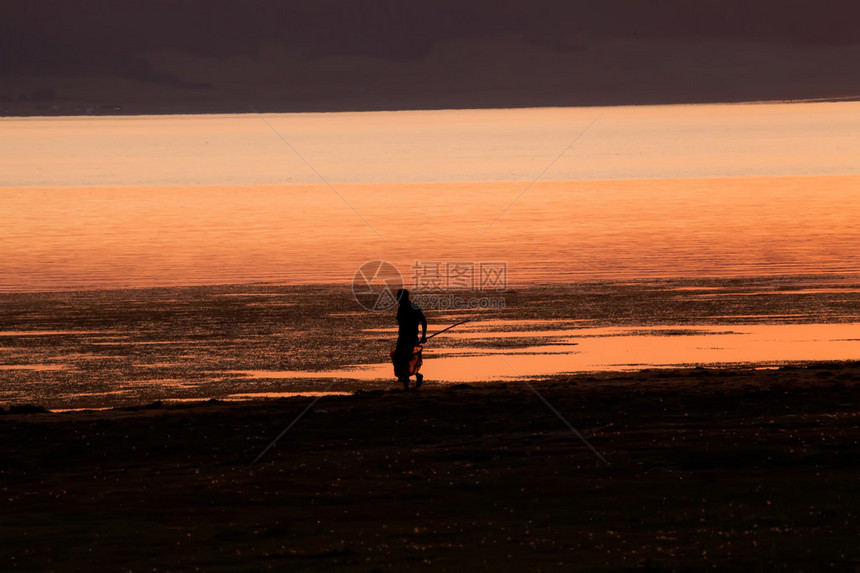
pixel 449 328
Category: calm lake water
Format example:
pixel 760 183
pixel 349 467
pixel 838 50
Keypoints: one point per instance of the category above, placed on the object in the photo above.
pixel 703 190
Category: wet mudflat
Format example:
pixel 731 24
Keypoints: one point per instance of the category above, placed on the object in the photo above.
pixel 735 468
pixel 130 347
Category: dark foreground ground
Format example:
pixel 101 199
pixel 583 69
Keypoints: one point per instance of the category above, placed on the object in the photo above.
pixel 743 469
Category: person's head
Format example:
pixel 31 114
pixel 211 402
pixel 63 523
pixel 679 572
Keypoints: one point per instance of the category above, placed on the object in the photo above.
pixel 402 295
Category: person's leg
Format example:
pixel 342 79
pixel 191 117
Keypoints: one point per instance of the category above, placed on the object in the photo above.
pixel 419 380
pixel 400 357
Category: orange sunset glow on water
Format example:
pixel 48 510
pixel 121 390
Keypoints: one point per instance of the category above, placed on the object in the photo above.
pixel 554 196
pixel 145 236
pixel 559 194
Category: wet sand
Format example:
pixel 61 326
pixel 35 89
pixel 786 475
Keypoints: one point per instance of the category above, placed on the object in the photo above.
pixel 116 348
pixel 743 469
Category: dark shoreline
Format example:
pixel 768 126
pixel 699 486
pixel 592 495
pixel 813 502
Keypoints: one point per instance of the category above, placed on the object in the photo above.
pixel 741 468
pixel 237 109
pixel 376 387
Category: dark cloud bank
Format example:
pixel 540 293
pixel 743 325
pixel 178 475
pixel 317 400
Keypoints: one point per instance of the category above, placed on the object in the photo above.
pixel 188 56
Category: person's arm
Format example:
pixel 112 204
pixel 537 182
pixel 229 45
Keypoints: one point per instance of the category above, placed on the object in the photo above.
pixel 423 327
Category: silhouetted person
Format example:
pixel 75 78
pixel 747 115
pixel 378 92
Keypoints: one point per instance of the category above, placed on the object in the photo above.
pixel 407 352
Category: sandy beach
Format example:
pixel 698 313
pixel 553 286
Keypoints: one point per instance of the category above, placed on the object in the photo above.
pixel 752 469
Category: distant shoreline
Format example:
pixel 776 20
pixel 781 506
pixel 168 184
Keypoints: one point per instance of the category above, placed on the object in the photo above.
pixel 111 111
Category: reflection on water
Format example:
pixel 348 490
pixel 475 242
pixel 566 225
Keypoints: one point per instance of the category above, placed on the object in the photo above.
pixel 640 142
pixel 245 397
pixel 276 374
pixel 165 344
pixel 786 292
pixel 257 395
pixel 618 349
pixel 558 231
pixel 93 409
pixel 700 190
